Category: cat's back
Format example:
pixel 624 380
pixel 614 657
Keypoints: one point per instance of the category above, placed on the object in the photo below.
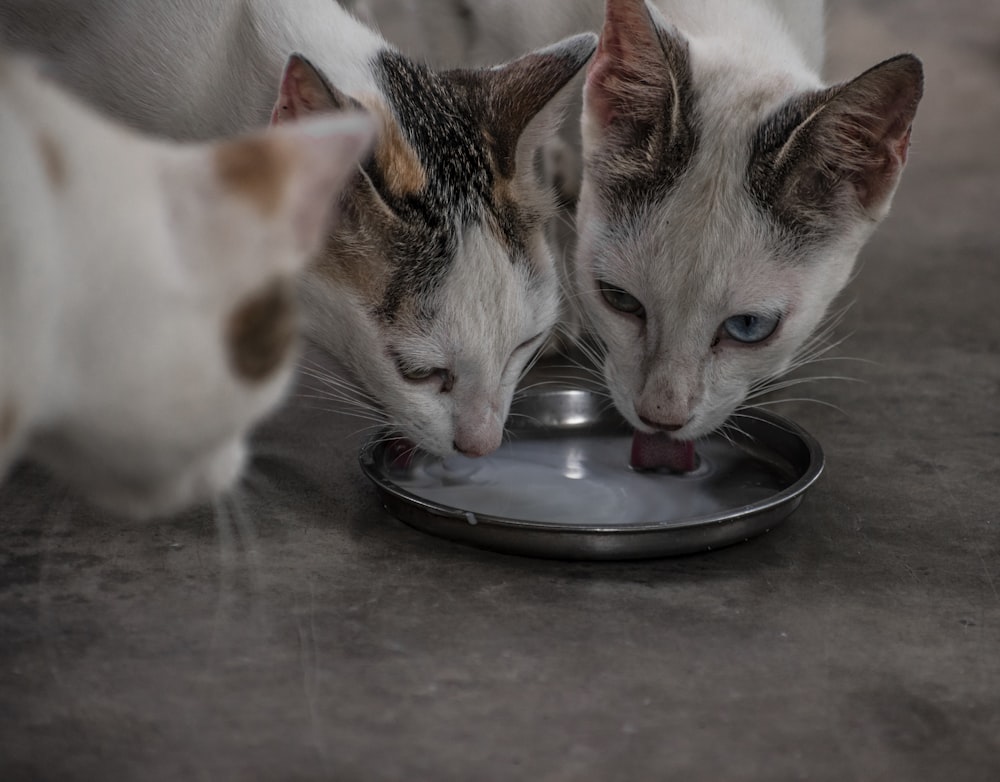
pixel 774 29
pixel 127 56
pixel 186 69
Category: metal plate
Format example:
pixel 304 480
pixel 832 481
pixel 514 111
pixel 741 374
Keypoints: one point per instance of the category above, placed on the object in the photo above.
pixel 561 487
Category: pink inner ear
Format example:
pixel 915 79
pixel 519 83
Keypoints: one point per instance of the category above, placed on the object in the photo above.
pixel 299 94
pixel 600 87
pixel 877 111
pixel 629 63
pixel 876 149
pixel 902 147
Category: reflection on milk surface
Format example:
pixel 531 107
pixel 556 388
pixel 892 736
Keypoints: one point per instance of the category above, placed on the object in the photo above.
pixel 587 480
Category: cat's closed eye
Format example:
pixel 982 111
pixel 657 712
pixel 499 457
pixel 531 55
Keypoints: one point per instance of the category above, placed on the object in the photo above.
pixel 423 375
pixel 621 300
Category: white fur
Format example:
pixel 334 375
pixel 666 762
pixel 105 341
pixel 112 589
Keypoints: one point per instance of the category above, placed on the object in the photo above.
pixel 486 311
pixel 190 69
pixel 200 68
pixel 706 253
pixel 496 30
pixel 117 280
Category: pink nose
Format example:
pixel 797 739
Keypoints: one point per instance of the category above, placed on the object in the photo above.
pixel 473 450
pixel 663 426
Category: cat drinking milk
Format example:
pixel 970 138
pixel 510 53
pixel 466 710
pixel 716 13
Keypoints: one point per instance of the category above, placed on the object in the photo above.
pixel 437 286
pixel 147 308
pixel 726 194
pixel 726 190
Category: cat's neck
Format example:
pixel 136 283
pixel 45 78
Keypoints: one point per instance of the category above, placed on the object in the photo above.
pixel 330 37
pixel 747 58
pixel 774 36
pixel 205 74
pixel 252 42
pixel 765 22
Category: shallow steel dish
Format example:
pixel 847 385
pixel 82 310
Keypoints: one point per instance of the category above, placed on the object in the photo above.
pixel 561 487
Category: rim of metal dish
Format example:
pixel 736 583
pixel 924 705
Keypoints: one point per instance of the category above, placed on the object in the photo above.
pixel 366 457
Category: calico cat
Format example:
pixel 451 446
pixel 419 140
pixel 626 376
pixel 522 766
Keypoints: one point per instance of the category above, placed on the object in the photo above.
pixel 725 195
pixel 437 286
pixel 147 312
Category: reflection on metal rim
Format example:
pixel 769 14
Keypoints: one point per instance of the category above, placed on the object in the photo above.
pixel 759 474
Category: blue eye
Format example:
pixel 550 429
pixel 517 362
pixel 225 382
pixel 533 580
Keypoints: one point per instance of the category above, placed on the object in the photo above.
pixel 621 300
pixel 751 328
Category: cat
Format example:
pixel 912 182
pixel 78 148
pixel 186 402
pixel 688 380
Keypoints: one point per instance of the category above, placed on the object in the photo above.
pixel 437 286
pixel 726 195
pixel 726 191
pixel 147 308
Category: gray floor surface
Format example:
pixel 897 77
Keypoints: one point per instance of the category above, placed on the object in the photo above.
pixel 316 638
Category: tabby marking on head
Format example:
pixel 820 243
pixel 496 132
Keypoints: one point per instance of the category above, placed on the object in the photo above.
pixel 438 286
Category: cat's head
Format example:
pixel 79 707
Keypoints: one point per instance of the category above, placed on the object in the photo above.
pixel 436 286
pixel 179 306
pixel 723 206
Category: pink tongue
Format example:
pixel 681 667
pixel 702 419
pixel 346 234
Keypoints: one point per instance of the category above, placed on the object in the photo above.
pixel 659 452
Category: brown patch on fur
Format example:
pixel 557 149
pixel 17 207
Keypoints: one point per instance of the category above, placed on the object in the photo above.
pixel 261 331
pixel 517 211
pixel 353 255
pixel 397 161
pixel 8 418
pixel 256 169
pixel 52 159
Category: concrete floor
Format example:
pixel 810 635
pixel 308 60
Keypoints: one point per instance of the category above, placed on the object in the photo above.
pixel 326 641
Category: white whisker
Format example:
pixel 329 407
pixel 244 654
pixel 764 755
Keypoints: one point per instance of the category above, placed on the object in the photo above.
pixel 800 399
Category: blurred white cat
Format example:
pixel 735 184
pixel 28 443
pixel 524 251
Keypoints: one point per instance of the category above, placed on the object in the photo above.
pixel 148 315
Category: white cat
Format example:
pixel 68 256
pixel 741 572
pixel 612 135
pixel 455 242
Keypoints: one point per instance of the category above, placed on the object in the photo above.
pixel 726 191
pixel 147 308
pixel 437 286
pixel 726 195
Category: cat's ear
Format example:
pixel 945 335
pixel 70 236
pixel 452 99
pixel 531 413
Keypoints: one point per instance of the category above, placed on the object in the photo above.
pixel 524 99
pixel 304 91
pixel 638 86
pixel 295 173
pixel 842 149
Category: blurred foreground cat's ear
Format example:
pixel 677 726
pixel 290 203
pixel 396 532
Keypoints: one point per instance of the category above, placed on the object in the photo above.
pixel 328 153
pixel 304 91
pixel 840 149
pixel 518 92
pixel 639 82
pixel 295 173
